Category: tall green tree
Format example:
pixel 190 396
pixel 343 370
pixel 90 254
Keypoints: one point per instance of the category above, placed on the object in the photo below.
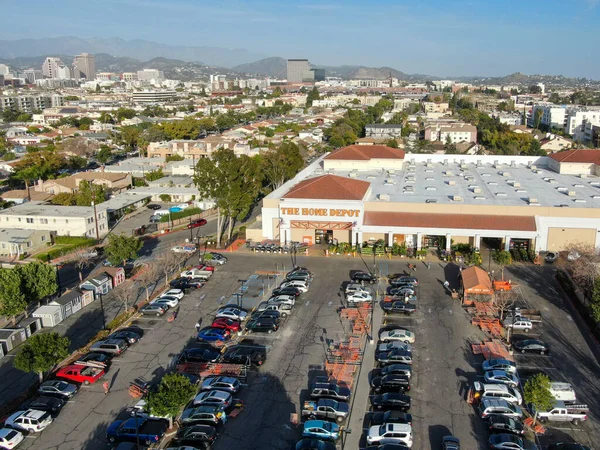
pixel 104 154
pixel 536 393
pixel 130 136
pixel 312 96
pixel 174 391
pixel 12 298
pixel 38 280
pixel 120 248
pixel 281 164
pixel 502 258
pixel 90 192
pixel 41 352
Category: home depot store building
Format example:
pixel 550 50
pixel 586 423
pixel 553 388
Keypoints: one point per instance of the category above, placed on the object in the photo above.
pixel 363 193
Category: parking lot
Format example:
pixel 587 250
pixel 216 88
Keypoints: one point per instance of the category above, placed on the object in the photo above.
pixel 443 370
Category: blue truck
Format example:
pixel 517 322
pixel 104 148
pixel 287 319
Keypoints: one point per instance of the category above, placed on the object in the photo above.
pixel 148 431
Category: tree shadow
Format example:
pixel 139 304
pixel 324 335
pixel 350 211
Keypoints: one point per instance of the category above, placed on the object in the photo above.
pixel 436 433
pixel 452 275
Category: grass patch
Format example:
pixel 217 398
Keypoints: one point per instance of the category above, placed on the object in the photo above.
pixel 63 246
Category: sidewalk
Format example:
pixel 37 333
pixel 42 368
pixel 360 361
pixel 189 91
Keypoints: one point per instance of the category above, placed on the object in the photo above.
pixel 360 399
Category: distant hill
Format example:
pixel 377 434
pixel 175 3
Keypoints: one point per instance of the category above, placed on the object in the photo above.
pixel 519 78
pixel 273 67
pixel 140 49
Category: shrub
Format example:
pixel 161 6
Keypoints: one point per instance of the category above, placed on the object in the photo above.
pixel 179 215
pixel 165 198
pixel 75 240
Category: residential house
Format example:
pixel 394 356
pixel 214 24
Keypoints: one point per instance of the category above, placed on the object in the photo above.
pixel 15 242
pixel 117 275
pixel 455 133
pixel 189 149
pixel 100 283
pixel 18 196
pixel 554 143
pixel 172 181
pixel 62 220
pixel 114 182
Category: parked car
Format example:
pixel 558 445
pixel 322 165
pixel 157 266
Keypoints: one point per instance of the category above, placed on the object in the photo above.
pixel 227 384
pixel 551 257
pixel 168 302
pixel 197 223
pixel 393 357
pixel 129 336
pixel 112 346
pixel 519 324
pixel 352 288
pixel 321 429
pixel 211 334
pixel 147 430
pixel 400 279
pixel 213 397
pixel 58 388
pixel 397 334
pixel 245 354
pixel 52 405
pixel 197 436
pixel 390 400
pixel 30 420
pixel 287 299
pixel 391 433
pixel 567 446
pixel 502 391
pixel 177 293
pixel 450 443
pixel 78 373
pixel 217 258
pixel 204 414
pixel 390 383
pixel 396 369
pixel 263 324
pixel 531 346
pixel 401 291
pixel 298 284
pixel 272 311
pixel 489 406
pixel 300 276
pixel 498 423
pixel 10 438
pixel 102 358
pixel 391 416
pixel 230 312
pixel 499 364
pixel 501 377
pixel 505 441
pixel 360 276
pixel 359 297
pixel 153 206
pixel 399 307
pixel 203 354
pixel 314 444
pixel 233 326
pixel 330 390
pixel 290 290
pixel 153 309
pixel 180 283
pixel 196 283
pixel 388 346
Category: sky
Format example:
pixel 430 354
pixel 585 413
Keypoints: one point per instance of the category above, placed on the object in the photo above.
pixel 436 37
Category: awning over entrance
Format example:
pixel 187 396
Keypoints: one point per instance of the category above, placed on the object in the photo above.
pixel 449 221
pixel 309 224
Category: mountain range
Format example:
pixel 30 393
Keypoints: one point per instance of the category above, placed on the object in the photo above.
pixel 191 62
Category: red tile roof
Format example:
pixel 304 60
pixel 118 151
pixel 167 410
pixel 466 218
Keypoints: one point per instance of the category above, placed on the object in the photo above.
pixel 366 152
pixel 460 221
pixel 577 156
pixel 329 187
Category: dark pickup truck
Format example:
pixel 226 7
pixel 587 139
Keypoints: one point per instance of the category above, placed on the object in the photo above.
pixel 150 431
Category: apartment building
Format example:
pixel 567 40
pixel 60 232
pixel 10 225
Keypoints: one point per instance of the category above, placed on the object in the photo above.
pixel 154 96
pixel 552 116
pixel 433 107
pixel 26 103
pixel 455 132
pixel 192 149
pixel 383 131
pixel 62 220
pixel 150 75
pixel 580 121
pixel 55 68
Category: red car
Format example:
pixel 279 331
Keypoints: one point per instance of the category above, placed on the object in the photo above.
pixel 80 373
pixel 197 223
pixel 205 267
pixel 229 324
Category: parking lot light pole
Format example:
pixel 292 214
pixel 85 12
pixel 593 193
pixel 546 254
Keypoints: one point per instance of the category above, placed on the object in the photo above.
pixel 240 297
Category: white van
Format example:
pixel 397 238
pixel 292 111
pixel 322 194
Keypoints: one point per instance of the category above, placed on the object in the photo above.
pixel 161 212
pixel 498 391
pixel 563 392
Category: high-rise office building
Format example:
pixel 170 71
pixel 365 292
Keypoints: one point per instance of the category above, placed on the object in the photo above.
pixel 296 70
pixel 84 66
pixel 150 74
pixel 318 74
pixel 31 75
pixel 55 68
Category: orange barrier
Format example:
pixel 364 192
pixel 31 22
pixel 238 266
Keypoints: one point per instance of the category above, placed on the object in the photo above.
pixel 494 349
pixel 235 245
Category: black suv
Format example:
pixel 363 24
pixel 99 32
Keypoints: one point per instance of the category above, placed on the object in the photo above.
pixel 196 355
pixel 504 424
pixel 245 354
pixel 290 290
pixel 330 390
pixel 390 400
pixel 52 405
pixel 363 277
pixel 199 436
pixel 390 383
pixel 264 324
pixel 180 283
pixel 399 307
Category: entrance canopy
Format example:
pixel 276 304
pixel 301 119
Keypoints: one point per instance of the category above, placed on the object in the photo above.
pixel 477 285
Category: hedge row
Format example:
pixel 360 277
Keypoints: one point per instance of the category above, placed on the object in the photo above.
pixel 180 215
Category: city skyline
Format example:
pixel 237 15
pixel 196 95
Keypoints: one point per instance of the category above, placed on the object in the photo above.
pixel 460 38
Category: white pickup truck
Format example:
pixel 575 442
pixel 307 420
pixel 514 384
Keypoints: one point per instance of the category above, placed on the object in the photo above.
pixel 197 273
pixel 563 392
pixel 563 412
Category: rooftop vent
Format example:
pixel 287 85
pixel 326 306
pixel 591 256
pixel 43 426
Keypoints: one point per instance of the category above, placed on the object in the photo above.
pixel 451 183
pixel 448 173
pixel 391 171
pixel 383 197
pixel 409 190
pixel 580 200
pixel 476 190
pixel 389 182
pixel 578 185
pixel 533 201
pixel 492 183
pixel 533 167
pixel 430 188
pixel 516 184
pixel 583 175
pixel 521 191
pixel 371 177
pixel 505 174
pixel 596 196
pixel 594 183
pixel 486 174
pixel 353 174
pixel 479 197
pixel 457 198
pixel 500 194
pixel 429 179
pixel 513 164
pixel 571 193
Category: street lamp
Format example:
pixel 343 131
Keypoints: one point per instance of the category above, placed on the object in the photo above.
pixel 191 232
pixel 241 294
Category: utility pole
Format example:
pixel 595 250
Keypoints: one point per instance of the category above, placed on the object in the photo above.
pixel 191 232
pixel 241 295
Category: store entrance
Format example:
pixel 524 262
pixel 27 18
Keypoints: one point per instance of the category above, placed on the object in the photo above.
pixel 324 237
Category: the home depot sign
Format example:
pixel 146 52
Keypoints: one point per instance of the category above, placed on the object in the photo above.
pixel 320 212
